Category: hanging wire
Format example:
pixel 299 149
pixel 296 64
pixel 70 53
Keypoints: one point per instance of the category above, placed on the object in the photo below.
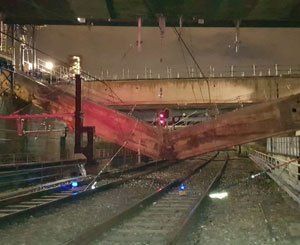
pixel 187 70
pixel 112 158
pixel 64 92
pixel 186 47
pixel 185 118
pixel 195 61
pixel 105 166
pixel 254 176
pixel 127 51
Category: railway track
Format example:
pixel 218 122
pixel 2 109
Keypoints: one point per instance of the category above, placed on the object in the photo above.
pixel 162 217
pixel 52 194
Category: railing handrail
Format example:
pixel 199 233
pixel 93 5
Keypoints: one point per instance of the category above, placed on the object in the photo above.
pixel 32 158
pixel 261 70
pixel 275 158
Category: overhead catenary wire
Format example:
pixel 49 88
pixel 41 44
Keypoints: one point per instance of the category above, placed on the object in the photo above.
pixel 61 62
pixel 105 166
pixel 112 158
pixel 186 47
pixel 195 62
pixel 187 69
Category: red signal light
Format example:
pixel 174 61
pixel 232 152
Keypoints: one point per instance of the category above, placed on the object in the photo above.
pixel 162 117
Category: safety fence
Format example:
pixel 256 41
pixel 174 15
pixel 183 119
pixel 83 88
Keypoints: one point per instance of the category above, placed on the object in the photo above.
pixel 124 156
pixel 283 170
pixel 288 146
pixel 22 175
pixel 18 158
pixel 270 162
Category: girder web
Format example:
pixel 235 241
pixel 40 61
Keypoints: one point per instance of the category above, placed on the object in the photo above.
pixel 234 128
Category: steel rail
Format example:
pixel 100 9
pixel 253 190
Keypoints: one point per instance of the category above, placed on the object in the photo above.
pixel 186 222
pixel 133 211
pixel 107 174
pixel 28 203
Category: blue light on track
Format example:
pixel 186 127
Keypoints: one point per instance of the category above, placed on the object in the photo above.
pixel 182 187
pixel 74 183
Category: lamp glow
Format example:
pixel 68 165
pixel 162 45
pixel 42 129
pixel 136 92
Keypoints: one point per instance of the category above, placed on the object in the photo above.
pixel 94 185
pixel 30 66
pixel 81 20
pixel 218 195
pixel 49 65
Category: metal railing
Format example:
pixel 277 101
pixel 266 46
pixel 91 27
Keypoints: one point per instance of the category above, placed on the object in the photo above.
pixel 109 152
pixel 60 73
pixel 26 176
pixel 33 158
pixel 3 39
pixel 17 158
pixel 210 72
pixel 47 72
pixel 50 73
pixel 286 173
pixel 271 162
pixel 57 71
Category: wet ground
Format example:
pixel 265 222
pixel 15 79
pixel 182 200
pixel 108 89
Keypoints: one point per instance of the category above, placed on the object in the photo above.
pixel 256 211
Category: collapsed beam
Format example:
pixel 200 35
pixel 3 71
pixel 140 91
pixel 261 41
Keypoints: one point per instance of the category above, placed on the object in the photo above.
pixel 111 125
pixel 234 128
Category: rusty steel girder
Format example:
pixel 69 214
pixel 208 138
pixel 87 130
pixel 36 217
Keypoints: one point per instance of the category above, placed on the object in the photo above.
pixel 234 128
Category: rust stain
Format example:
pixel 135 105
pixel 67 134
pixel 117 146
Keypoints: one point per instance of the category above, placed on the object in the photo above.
pixel 242 126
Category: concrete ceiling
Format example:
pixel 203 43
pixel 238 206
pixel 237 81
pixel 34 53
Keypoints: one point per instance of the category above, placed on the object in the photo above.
pixel 220 13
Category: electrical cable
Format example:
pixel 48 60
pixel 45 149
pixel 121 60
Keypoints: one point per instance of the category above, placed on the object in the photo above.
pixel 183 55
pixel 195 61
pixel 186 47
pixel 21 41
pixel 187 69
pixel 83 72
pixel 112 158
pixel 62 62
pixel 127 52
pixel 264 172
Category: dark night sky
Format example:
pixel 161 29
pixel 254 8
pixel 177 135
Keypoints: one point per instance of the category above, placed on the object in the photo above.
pixel 114 48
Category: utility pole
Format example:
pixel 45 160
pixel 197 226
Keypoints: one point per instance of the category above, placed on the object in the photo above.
pixel 87 150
